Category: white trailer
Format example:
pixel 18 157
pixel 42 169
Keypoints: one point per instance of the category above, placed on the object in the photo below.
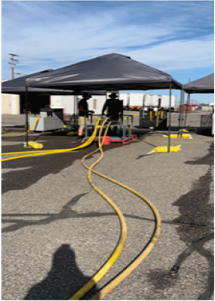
pixel 153 101
pixel 165 102
pixel 136 101
pixel 125 98
pixel 133 101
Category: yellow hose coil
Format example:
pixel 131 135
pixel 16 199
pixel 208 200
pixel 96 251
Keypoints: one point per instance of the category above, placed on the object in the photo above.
pixel 123 235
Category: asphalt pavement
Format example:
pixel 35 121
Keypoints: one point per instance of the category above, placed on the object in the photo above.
pixel 57 231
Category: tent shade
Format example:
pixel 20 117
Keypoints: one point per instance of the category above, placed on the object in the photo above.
pixel 202 85
pixel 18 86
pixel 108 72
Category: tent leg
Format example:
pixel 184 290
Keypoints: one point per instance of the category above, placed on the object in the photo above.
pixel 188 102
pixel 170 88
pixel 182 112
pixel 74 114
pixel 26 114
pixel 180 106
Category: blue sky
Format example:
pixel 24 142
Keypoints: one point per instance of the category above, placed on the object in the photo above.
pixel 176 37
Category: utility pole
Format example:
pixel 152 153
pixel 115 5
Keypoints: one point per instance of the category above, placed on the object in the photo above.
pixel 13 64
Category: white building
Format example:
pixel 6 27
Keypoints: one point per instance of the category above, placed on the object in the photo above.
pixel 10 104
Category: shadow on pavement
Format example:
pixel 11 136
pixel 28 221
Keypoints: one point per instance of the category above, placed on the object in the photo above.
pixel 35 168
pixel 63 280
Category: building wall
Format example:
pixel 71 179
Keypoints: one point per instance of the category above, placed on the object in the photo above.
pixel 207 109
pixel 10 104
pixel 70 103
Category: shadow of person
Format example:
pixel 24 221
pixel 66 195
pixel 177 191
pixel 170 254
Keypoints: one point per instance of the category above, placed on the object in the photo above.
pixel 63 280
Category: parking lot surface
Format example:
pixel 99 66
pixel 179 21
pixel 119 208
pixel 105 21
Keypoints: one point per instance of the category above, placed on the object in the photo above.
pixel 57 231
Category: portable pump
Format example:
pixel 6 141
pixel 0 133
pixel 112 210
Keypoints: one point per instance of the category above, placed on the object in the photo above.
pixel 50 119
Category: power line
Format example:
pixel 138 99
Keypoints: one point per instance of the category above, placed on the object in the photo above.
pixel 13 64
pixel 21 74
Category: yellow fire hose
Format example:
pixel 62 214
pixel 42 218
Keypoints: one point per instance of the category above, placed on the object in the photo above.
pixel 118 249
pixel 111 285
pixel 47 152
pixel 7 137
pixel 123 234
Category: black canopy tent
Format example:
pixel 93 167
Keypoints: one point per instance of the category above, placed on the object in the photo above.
pixel 109 72
pixel 18 86
pixel 38 96
pixel 204 85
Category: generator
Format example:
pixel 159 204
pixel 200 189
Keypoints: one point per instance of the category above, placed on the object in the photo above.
pixel 50 120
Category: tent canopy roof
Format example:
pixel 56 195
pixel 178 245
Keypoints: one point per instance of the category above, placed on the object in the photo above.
pixel 108 72
pixel 202 85
pixel 18 86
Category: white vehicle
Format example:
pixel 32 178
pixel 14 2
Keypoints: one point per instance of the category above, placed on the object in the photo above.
pixel 165 102
pixel 135 101
pixel 162 101
pixel 132 101
pixel 125 98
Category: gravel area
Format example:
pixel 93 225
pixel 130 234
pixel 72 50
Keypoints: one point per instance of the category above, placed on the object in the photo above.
pixel 57 231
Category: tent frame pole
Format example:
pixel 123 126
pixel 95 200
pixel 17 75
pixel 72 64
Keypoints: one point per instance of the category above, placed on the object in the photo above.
pixel 188 103
pixel 74 114
pixel 180 107
pixel 26 114
pixel 182 112
pixel 170 92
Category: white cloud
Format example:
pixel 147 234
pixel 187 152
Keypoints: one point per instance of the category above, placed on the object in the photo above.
pixel 65 33
pixel 178 55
